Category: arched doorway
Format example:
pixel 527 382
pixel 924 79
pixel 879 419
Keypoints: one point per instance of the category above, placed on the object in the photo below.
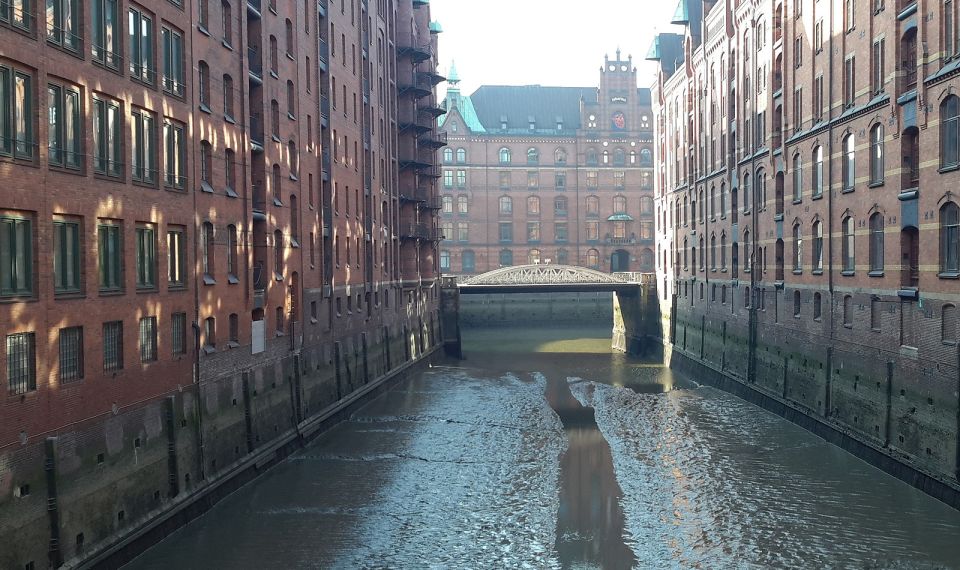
pixel 620 260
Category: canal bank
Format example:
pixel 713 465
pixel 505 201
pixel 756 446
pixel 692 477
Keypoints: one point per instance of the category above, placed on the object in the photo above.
pixel 469 465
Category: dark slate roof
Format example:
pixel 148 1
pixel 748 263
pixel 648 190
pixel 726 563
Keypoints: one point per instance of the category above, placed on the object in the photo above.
pixel 519 103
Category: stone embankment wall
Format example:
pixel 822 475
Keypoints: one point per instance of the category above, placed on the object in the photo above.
pixel 537 308
pixel 97 493
pixel 896 406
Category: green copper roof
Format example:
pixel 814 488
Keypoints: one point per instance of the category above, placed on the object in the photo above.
pixel 452 76
pixel 682 14
pixel 435 28
pixel 464 106
pixel 620 218
pixel 653 53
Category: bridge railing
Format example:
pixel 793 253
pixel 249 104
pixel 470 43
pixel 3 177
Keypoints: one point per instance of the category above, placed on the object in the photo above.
pixel 641 277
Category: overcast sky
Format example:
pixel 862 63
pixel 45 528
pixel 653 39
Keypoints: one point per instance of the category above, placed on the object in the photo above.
pixel 546 42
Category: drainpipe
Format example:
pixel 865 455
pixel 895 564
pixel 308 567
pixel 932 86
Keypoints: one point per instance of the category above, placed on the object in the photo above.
pixel 826 399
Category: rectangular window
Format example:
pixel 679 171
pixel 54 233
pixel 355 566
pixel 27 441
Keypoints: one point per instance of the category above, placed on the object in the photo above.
pixel 107 138
pixel 105 31
pixel 173 73
pixel 148 339
pixel 63 24
pixel 176 258
pixel 110 244
pixel 878 66
pixel 146 258
pixel 461 178
pixel 113 346
pixel 506 231
pixel 798 110
pixel 619 179
pixel 560 231
pixel 71 354
pixel 175 155
pixel 593 231
pixel 16 257
pixel 533 231
pixel 17 12
pixel 63 113
pixel 140 32
pixel 560 180
pixel 66 256
pixel 16 114
pixel 463 231
pixel 592 179
pixel 533 180
pixel 818 97
pixel 178 325
pixel 448 179
pixel 849 81
pixel 21 363
pixel 504 179
pixel 144 156
pixel 818 36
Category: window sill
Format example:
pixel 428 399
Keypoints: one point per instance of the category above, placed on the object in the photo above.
pixel 876 184
pixel 275 138
pixel 205 187
pixel 205 108
pixel 798 272
pixel 948 168
pixel 74 170
pixel 145 183
pixel 230 119
pixel 847 326
pixel 290 56
pixel 231 192
pixel 291 116
pixel 110 177
pixel 233 344
pixel 817 196
pixel 949 275
pixel 68 295
pixel 797 201
pixel 176 288
pixel 848 273
pixel 227 45
pixel 207 349
pixel 146 289
pixel 203 29
pixel 817 272
pixel 232 279
pixel 846 190
pixel 277 277
pixel 875 274
pixel 209 280
pixel 111 292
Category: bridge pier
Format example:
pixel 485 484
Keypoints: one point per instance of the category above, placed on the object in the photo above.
pixel 450 317
pixel 636 318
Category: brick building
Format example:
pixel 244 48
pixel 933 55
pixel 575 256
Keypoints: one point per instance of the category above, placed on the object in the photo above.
pixel 538 174
pixel 206 238
pixel 807 220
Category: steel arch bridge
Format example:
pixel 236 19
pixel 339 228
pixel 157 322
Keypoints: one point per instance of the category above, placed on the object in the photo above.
pixel 545 278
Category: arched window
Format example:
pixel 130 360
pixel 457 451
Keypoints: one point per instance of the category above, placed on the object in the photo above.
pixel 797 248
pixel 506 205
pixel 713 251
pixel 817 178
pixel 560 156
pixel 233 251
pixel 761 189
pixel 646 205
pixel 778 259
pixel 289 36
pixel 461 155
pixel 210 332
pixel 275 119
pixel 796 304
pixel 291 99
pixel 593 205
pixel 950 131
pixel 533 257
pixel 646 157
pixel 876 154
pixel 723 250
pixel 848 166
pixel 817 260
pixel 593 258
pixel 446 204
pixel 294 160
pixel 876 243
pixel 278 252
pixel 619 157
pixel 723 199
pixel 747 252
pixel 504 155
pixel 606 157
pixel 533 156
pixel 448 155
pixel 797 178
pixel 619 204
pixel 847 311
pixel 950 239
pixel 204 85
pixel 533 205
pixel 206 249
pixel 444 260
pixel 633 157
pixel 228 96
pixel 591 157
pixel 294 219
pixel 746 190
pixel 848 251
pixel 506 258
pixel 713 202
pixel 817 306
pixel 463 204
pixel 646 259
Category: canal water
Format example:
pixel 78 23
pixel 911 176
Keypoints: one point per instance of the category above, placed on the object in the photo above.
pixel 544 449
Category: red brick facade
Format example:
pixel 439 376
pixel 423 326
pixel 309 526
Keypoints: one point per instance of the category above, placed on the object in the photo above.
pixel 549 175
pixel 806 204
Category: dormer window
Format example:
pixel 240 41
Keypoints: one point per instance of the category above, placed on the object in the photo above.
pixel 503 122
pixel 532 122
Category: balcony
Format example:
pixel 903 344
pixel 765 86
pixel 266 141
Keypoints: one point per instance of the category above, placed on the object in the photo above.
pixel 256 132
pixel 433 139
pixel 415 53
pixel 324 54
pixel 420 231
pixel 431 110
pixel 256 64
pixel 417 87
